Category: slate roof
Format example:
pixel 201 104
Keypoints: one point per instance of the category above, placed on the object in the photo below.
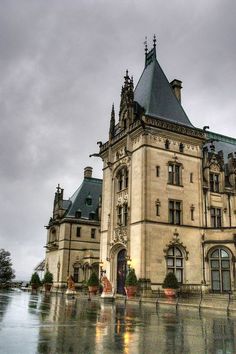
pixel 222 142
pixel 91 188
pixel 154 93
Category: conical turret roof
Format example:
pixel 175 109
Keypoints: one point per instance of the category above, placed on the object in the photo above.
pixel 155 94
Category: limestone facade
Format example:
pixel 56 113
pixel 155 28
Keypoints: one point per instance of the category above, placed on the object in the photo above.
pixel 73 233
pixel 169 197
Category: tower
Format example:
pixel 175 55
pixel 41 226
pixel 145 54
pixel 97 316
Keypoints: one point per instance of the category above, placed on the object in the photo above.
pixel 153 214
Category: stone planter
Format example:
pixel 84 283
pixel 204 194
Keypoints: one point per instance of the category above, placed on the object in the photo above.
pixel 131 291
pixel 170 292
pixel 35 287
pixel 47 286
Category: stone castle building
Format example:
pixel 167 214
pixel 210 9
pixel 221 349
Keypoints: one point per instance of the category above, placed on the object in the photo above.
pixel 73 237
pixel 169 191
pixel 168 198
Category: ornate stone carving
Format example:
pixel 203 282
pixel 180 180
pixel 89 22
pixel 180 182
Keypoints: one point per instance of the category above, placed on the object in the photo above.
pixel 214 167
pixel 120 235
pixel 175 242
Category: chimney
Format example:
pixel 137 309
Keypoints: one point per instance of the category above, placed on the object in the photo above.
pixel 88 171
pixel 176 87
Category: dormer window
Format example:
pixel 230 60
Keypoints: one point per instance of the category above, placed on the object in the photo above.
pixel 214 182
pixel 88 200
pixel 78 214
pixel 92 215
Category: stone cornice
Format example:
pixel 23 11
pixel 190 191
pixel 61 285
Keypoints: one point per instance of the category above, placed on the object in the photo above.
pixel 158 123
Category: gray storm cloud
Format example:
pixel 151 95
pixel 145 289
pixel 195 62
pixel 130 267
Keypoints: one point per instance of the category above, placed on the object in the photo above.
pixel 62 65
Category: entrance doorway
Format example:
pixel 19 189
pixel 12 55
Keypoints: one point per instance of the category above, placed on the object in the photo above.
pixel 121 271
pixel 220 270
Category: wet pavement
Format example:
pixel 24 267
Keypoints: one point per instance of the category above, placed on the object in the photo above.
pixel 38 323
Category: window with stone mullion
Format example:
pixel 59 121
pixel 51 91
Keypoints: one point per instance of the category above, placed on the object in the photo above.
pixel 214 182
pixel 216 218
pixel 175 212
pixel 174 174
pixel 175 263
pixel 125 215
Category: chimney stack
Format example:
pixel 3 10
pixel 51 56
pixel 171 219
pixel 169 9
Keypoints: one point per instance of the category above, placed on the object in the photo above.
pixel 176 87
pixel 88 171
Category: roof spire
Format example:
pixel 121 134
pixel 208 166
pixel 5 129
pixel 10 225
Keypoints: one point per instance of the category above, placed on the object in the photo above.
pixel 145 46
pixel 154 41
pixel 112 122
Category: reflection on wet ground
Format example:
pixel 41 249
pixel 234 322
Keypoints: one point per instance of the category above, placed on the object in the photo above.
pixel 37 323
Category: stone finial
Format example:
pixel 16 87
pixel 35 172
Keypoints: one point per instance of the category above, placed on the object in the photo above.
pixel 112 123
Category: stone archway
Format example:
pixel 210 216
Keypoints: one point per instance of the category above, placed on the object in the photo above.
pixel 121 271
pixel 118 259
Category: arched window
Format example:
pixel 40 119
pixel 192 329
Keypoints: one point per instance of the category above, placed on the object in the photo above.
pixel 220 270
pixel 175 263
pixel 122 178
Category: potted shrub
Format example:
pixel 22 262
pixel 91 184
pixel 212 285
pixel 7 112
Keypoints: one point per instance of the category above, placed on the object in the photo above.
pixel 170 285
pixel 93 283
pixel 131 283
pixel 35 281
pixel 48 280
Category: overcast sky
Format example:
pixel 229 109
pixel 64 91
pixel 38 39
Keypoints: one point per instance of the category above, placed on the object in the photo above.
pixel 61 67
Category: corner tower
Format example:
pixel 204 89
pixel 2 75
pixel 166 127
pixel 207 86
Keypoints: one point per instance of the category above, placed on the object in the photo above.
pixel 151 172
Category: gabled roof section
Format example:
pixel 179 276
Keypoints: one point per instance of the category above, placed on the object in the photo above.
pixel 86 199
pixel 154 93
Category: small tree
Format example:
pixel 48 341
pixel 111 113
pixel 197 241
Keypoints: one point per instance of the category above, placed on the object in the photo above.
pixel 131 279
pixel 170 281
pixel 6 271
pixel 93 280
pixel 35 280
pixel 48 278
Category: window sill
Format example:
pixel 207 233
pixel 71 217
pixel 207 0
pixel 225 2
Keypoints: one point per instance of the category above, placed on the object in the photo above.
pixel 174 185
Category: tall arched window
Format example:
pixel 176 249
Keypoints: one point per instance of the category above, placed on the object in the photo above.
pixel 175 263
pixel 220 270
